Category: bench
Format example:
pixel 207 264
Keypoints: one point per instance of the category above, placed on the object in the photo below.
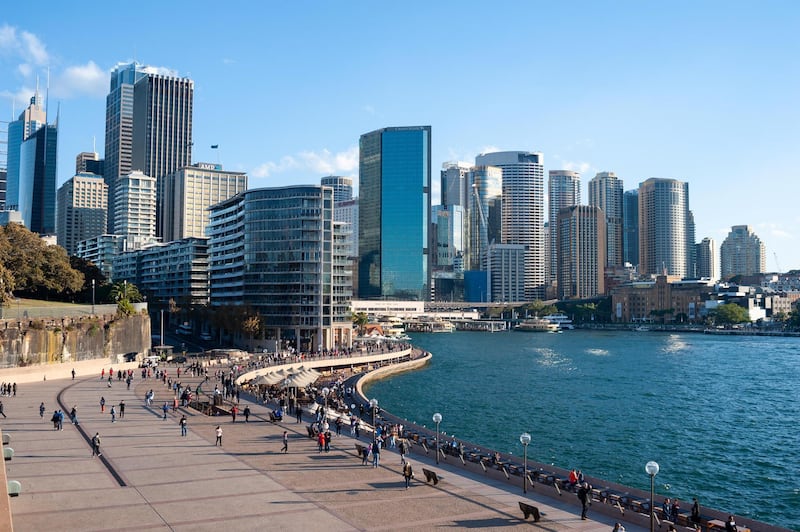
pixel 529 510
pixel 14 488
pixel 430 476
pixel 6 438
pixel 8 453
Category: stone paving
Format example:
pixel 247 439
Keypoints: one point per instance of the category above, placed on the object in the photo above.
pixel 151 478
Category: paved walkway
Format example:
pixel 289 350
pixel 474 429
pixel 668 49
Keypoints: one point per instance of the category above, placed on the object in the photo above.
pixel 151 478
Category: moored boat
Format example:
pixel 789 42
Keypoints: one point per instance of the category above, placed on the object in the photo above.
pixel 563 322
pixel 537 325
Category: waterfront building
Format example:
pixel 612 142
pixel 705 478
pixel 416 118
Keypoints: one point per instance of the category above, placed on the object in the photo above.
pixel 630 227
pixel 506 273
pixel 177 271
pixel 136 210
pixel 605 192
pixel 666 299
pixel 742 253
pixel 100 251
pixel 563 190
pixel 580 238
pixel 395 204
pixel 454 183
pixel 148 127
pixel 342 187
pixel 190 191
pixel 523 210
pixel 707 259
pixel 278 252
pixel 82 210
pixel 484 213
pixel 665 228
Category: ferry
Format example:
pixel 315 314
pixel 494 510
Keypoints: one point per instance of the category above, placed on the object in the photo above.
pixel 563 322
pixel 537 325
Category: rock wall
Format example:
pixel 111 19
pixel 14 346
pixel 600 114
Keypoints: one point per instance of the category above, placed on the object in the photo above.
pixel 63 340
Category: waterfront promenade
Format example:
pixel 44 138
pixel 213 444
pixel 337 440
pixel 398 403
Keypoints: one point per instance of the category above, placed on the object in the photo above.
pixel 151 478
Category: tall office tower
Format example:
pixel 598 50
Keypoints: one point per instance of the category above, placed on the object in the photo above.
pixel 605 192
pixel 3 181
pixel 506 273
pixel 691 247
pixel 82 210
pixel 454 183
pixel 395 203
pixel 630 227
pixel 665 226
pixel 189 192
pixel 136 210
pixel 148 126
pixel 29 121
pixel 342 187
pixel 742 253
pixel 88 161
pixel 581 233
pixel 279 252
pixel 707 259
pixel 484 214
pixel 523 210
pixel 563 190
pixel 37 180
pixel 448 237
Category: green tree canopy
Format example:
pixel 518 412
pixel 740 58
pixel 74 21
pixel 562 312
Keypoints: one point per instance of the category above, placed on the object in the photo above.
pixel 729 314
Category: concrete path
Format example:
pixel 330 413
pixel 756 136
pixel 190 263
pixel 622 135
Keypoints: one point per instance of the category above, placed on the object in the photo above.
pixel 151 478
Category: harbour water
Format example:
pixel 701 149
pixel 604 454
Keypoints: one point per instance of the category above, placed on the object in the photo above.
pixel 719 414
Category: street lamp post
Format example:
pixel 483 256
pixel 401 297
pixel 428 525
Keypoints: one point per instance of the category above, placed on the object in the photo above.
pixel 525 439
pixel 437 418
pixel 93 281
pixel 373 404
pixel 652 470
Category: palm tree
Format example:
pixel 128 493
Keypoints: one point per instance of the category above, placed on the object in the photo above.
pixel 361 320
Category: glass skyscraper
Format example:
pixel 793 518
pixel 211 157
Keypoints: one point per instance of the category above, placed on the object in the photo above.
pixel 394 206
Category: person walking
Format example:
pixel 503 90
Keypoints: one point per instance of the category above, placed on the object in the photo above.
pixel 102 404
pixel 695 511
pixel 1 409
pixel 401 447
pixel 113 414
pixel 165 408
pixel 219 436
pixel 583 496
pixel 408 473
pixel 234 411
pixel 41 410
pixel 246 414
pixel 96 445
pixel 299 413
pixel 376 453
pixel 285 448
pixel 183 423
pixel 122 409
pixel 73 415
pixel 73 373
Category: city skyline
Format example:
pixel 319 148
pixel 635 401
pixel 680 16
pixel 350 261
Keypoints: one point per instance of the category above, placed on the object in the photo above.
pixel 701 94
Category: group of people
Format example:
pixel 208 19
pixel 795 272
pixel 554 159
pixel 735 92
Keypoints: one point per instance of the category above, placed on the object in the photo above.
pixel 8 389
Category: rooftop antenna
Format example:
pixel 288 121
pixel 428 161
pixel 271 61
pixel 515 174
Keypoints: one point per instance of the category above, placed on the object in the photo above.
pixel 94 144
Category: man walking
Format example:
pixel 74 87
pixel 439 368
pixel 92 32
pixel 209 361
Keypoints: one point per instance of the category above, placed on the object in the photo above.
pixel 246 413
pixel 183 424
pixel 583 496
pixel 219 436
pixel 122 409
pixel 165 408
pixel 113 414
pixel 285 448
pixel 96 445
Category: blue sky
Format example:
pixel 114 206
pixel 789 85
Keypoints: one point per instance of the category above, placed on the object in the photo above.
pixel 705 92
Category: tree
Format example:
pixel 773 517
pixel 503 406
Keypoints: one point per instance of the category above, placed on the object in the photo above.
pixel 251 325
pixel 729 314
pixel 360 319
pixel 125 294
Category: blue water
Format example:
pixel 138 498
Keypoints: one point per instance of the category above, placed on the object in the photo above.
pixel 718 413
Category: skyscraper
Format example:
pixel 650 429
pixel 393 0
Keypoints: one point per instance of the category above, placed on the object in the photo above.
pixel 523 210
pixel 665 227
pixel 484 206
pixel 89 161
pixel 605 192
pixel 82 210
pixel 707 265
pixel 630 225
pixel 342 187
pixel 742 253
pixel 29 121
pixel 581 235
pixel 136 210
pixel 563 190
pixel 394 206
pixel 148 126
pixel 453 183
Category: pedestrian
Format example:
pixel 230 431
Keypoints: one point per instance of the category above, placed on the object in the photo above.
pixel 299 413
pixel 1 409
pixel 60 419
pixel 675 509
pixel 408 473
pixel 376 453
pixel 234 411
pixel 618 527
pixel 54 419
pixel 96 445
pixel 41 410
pixel 339 424
pixel 122 409
pixel 183 422
pixel 73 415
pixel 175 403
pixel 102 404
pixel 73 373
pixel 327 441
pixel 402 449
pixel 165 408
pixel 246 414
pixel 320 440
pixel 730 525
pixel 583 496
pixel 102 373
pixel 219 436
pixel 285 448
pixel 695 510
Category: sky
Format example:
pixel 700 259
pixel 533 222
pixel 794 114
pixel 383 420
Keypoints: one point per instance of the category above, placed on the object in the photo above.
pixel 704 92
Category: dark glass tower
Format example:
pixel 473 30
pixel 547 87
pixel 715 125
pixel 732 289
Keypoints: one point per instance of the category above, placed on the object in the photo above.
pixel 394 207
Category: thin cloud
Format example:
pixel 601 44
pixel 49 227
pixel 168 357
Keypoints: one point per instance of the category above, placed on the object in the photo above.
pixel 322 162
pixel 87 79
pixel 34 49
pixel 23 45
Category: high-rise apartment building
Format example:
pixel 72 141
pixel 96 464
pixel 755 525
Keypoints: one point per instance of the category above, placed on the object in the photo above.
pixel 742 253
pixel 523 210
pixel 505 270
pixel 630 227
pixel 394 207
pixel 484 216
pixel 148 126
pixel 346 212
pixel 454 183
pixel 665 228
pixel 605 192
pixel 136 210
pixel 563 190
pixel 581 234
pixel 707 265
pixel 189 192
pixel 279 252
pixel 82 210
pixel 342 187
